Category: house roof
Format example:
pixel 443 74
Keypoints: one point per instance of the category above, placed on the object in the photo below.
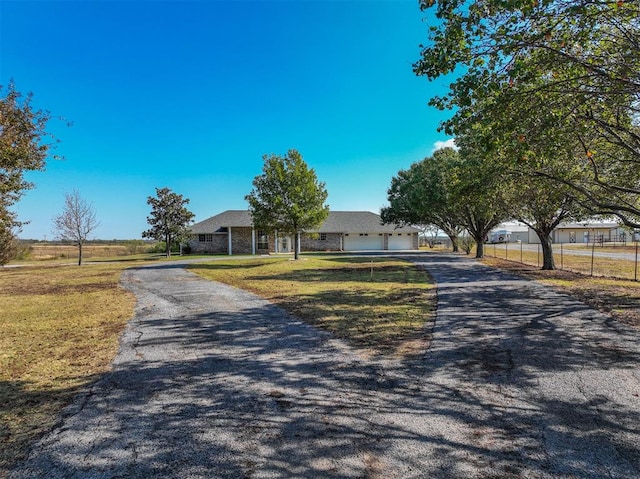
pixel 360 222
pixel 226 219
pixel 337 222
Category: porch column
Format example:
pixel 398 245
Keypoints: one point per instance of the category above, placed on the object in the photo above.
pixel 253 241
pixel 298 245
pixel 229 241
pixel 275 246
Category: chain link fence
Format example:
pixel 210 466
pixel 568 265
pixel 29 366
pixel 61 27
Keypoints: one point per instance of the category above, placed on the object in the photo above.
pixel 597 258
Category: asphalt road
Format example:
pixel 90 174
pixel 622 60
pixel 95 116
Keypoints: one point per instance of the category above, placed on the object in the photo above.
pixel 214 382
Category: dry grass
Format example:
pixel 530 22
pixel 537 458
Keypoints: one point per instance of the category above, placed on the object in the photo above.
pixel 385 306
pixel 45 251
pixel 616 297
pixel 60 328
pixel 566 260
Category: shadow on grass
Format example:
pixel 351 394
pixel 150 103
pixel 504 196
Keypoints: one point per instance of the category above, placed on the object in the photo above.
pixel 255 392
pixel 26 413
pixel 251 391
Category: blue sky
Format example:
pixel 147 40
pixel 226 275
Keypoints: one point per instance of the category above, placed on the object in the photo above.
pixel 191 94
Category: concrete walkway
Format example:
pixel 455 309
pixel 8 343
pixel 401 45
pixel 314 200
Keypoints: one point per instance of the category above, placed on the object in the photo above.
pixel 214 382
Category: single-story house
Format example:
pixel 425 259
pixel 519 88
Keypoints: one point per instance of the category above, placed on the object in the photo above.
pixel 232 232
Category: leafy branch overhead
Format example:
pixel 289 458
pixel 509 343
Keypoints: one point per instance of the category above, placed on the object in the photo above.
pixel 549 76
pixel 25 146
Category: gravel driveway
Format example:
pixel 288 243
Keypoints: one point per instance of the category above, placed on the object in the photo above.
pixel 213 382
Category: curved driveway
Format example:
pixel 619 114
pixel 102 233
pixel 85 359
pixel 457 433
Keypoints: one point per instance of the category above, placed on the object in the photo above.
pixel 214 382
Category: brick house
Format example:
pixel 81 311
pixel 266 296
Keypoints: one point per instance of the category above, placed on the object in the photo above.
pixel 232 232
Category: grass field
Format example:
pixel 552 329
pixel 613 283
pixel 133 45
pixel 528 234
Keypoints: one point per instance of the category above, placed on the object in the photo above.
pixel 49 251
pixel 60 328
pixel 378 306
pixel 567 259
pixel 60 324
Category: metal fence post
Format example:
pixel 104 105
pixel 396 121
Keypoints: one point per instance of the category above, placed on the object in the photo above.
pixel 592 254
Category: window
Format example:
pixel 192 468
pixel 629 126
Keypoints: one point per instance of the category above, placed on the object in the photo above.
pixel 206 238
pixel 263 240
pixel 323 236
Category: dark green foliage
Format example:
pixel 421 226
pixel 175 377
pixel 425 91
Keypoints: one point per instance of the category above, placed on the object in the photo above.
pixel 287 196
pixel 169 219
pixel 423 194
pixel 557 81
pixel 452 191
pixel 23 147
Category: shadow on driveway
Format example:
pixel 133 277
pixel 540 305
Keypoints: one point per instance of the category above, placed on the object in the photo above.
pixel 215 382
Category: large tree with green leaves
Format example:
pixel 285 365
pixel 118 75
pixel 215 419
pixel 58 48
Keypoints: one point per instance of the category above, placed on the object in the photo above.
pixel 478 190
pixel 423 195
pixel 169 219
pixel 530 161
pixel 25 146
pixel 287 197
pixel 452 190
pixel 573 64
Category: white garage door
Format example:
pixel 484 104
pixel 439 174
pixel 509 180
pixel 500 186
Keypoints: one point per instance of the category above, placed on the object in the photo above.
pixel 356 242
pixel 400 241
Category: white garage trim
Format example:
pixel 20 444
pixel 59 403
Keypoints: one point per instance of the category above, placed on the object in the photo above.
pixel 363 242
pixel 400 241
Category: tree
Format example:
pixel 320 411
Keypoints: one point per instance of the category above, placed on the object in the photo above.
pixel 572 64
pixel 24 146
pixel 423 195
pixel 478 193
pixel 453 190
pixel 542 204
pixel 8 242
pixel 169 218
pixel 287 197
pixel 429 233
pixel 76 222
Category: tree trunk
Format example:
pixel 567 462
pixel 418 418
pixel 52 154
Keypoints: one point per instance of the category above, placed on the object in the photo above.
pixel 480 249
pixel 80 253
pixel 454 242
pixel 548 263
pixel 168 246
pixel 295 245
